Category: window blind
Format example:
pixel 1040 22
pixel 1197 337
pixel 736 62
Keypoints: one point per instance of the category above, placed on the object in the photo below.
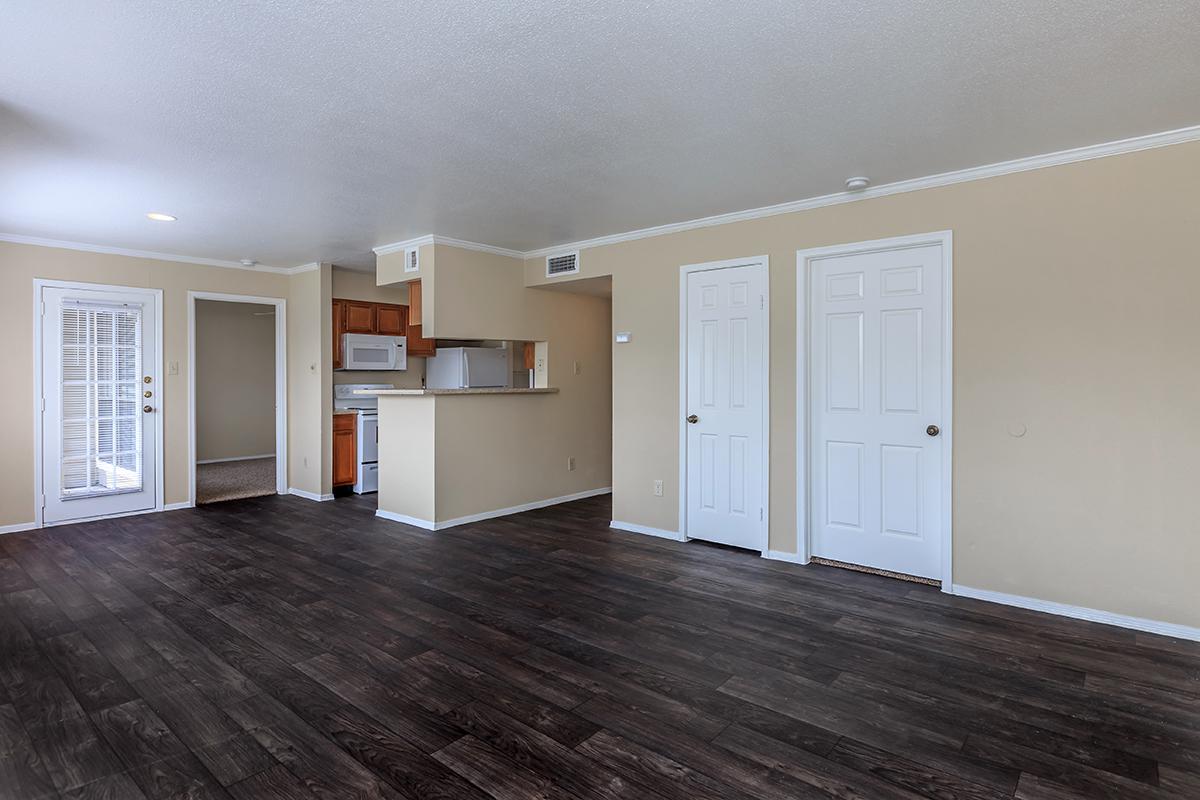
pixel 101 415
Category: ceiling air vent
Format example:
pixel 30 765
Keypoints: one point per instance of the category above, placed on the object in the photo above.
pixel 412 261
pixel 562 264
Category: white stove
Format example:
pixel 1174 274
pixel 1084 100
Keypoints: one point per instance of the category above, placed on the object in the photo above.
pixel 367 458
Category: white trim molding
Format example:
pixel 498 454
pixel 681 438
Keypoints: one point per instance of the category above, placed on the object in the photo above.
pixel 429 238
pixel 320 498
pixel 779 555
pixel 404 519
pixel 85 247
pixel 633 527
pixel 1171 629
pixel 764 262
pixel 804 259
pixel 1058 158
pixel 499 512
pixel 178 506
pixel 18 527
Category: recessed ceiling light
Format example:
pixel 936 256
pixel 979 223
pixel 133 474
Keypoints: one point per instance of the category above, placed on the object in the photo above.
pixel 249 262
pixel 158 216
pixel 857 184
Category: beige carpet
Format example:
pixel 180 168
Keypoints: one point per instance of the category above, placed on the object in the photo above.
pixel 234 480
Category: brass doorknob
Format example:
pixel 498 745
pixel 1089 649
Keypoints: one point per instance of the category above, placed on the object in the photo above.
pixel 692 418
pixel 933 430
pixel 147 409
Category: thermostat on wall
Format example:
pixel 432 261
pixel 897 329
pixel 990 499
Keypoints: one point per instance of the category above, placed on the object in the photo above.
pixel 624 337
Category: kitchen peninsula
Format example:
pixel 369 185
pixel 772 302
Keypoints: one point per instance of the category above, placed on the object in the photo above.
pixel 448 456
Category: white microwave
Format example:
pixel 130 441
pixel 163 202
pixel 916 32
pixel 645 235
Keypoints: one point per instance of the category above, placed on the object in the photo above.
pixel 364 351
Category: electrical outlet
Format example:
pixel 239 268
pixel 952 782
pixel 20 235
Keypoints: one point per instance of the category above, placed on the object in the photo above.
pixel 570 463
pixel 578 369
pixel 172 367
pixel 306 462
pixel 658 489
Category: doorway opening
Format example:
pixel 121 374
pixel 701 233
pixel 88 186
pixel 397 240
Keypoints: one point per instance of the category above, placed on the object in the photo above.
pixel 237 413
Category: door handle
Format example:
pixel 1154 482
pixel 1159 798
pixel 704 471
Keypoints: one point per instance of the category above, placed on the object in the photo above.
pixel 933 430
pixel 693 419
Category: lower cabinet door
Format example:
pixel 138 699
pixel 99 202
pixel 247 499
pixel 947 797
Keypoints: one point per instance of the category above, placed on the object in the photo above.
pixel 344 451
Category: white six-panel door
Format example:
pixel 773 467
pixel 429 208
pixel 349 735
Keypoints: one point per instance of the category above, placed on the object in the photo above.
pixel 876 373
pixel 725 330
pixel 100 399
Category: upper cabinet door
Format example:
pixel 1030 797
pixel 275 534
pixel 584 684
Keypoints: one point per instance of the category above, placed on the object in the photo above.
pixel 414 303
pixel 391 320
pixel 360 317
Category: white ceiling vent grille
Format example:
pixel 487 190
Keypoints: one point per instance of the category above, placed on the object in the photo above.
pixel 562 264
pixel 412 259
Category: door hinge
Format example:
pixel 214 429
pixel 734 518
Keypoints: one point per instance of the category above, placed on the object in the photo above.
pixel 761 302
pixel 760 515
pixel 43 502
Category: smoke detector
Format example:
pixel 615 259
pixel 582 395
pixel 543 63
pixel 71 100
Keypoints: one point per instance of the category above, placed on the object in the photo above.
pixel 857 184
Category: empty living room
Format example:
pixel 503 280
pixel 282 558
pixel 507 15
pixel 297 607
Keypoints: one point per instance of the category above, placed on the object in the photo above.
pixel 603 401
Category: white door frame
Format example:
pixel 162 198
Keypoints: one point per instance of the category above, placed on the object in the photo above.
pixel 804 259
pixel 153 369
pixel 281 429
pixel 684 271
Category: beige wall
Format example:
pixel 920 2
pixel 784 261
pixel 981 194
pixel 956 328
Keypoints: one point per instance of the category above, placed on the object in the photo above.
pixel 406 456
pixel 501 451
pixel 389 270
pixel 310 383
pixel 235 380
pixel 358 285
pixel 19 265
pixel 1074 302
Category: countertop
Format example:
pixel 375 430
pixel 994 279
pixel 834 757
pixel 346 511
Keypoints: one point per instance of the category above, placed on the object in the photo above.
pixel 425 392
pixel 345 411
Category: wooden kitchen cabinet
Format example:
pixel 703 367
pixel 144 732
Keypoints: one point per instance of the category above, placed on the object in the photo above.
pixel 384 319
pixel 414 304
pixel 360 317
pixel 391 320
pixel 345 449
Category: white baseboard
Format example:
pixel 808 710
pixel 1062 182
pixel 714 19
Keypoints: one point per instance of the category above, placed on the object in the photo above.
pixel 177 506
pixel 779 555
pixel 236 458
pixel 18 527
pixel 407 520
pixel 499 512
pixel 661 533
pixel 320 498
pixel 1080 612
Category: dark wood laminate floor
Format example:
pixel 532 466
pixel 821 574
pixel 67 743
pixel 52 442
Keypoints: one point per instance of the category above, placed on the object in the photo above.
pixel 279 648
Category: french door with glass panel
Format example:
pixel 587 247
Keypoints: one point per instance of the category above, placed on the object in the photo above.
pixel 100 396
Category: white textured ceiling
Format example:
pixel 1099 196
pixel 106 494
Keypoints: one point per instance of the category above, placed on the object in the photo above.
pixel 293 132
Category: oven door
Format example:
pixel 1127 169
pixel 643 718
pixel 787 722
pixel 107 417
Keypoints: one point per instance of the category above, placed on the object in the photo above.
pixel 368 438
pixel 365 352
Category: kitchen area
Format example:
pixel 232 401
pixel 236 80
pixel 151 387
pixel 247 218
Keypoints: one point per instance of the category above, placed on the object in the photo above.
pixel 440 374
pixel 376 341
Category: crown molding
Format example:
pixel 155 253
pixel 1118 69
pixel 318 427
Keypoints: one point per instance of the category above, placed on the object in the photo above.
pixel 400 247
pixel 1087 153
pixel 429 238
pixel 16 238
pixel 1061 157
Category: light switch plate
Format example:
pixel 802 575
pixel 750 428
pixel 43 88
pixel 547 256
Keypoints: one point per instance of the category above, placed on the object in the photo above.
pixel 624 337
